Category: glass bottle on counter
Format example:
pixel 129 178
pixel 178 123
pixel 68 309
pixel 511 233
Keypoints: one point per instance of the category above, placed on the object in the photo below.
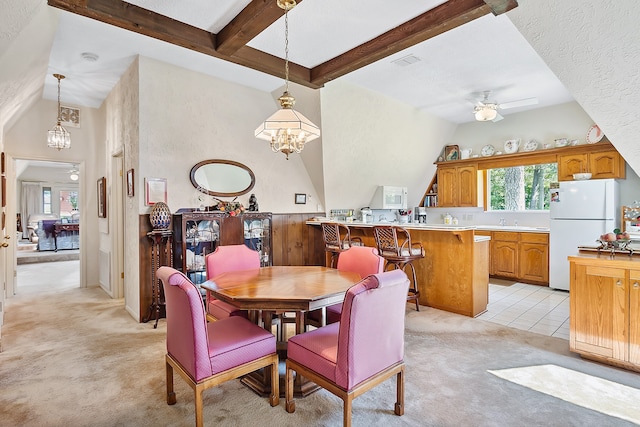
pixel 448 219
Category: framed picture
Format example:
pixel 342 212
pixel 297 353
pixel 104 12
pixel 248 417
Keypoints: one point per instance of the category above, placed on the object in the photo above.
pixel 130 185
pixel 102 197
pixel 301 199
pixel 451 152
pixel 155 190
pixel 2 162
pixel 4 191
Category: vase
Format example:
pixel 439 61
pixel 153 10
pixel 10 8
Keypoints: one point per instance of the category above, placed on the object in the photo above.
pixel 160 216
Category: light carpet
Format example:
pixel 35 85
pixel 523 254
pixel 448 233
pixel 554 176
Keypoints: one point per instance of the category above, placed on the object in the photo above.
pixel 580 389
pixel 76 358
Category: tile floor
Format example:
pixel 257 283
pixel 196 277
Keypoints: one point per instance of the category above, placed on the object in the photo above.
pixel 532 308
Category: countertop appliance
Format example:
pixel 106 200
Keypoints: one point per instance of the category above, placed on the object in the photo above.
pixel 420 215
pixel 366 215
pixel 580 211
pixel 389 197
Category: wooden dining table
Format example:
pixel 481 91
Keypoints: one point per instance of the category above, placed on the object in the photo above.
pixel 269 290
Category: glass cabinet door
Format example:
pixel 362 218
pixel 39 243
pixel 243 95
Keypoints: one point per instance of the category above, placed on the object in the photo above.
pixel 201 237
pixel 257 236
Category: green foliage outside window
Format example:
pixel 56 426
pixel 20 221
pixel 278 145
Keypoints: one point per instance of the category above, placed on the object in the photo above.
pixel 521 188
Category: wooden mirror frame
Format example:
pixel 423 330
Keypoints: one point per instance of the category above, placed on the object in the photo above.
pixel 211 191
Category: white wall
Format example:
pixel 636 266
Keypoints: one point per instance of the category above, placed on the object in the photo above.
pixel 187 117
pixel 372 140
pixel 26 139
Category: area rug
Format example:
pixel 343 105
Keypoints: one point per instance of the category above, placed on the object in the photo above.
pixel 581 389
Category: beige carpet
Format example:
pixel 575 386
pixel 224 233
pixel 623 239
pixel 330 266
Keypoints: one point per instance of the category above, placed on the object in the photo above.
pixel 581 389
pixel 76 358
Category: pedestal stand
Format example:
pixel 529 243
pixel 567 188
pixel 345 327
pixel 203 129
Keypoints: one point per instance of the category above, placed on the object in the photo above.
pixel 161 254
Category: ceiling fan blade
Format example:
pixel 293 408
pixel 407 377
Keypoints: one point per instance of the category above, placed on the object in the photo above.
pixel 519 103
pixel 498 118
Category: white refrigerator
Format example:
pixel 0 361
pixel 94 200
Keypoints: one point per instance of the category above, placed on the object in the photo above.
pixel 580 212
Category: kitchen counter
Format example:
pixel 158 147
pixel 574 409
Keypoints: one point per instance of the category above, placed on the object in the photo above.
pixel 443 227
pixel 454 274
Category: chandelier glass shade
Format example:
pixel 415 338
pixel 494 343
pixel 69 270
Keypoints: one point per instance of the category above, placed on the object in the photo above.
pixel 485 112
pixel 58 137
pixel 287 130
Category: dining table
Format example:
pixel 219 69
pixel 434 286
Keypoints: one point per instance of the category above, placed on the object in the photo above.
pixel 281 289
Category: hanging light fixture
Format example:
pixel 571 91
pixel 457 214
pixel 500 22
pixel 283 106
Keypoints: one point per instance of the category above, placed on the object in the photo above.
pixel 287 130
pixel 73 176
pixel 59 137
pixel 486 112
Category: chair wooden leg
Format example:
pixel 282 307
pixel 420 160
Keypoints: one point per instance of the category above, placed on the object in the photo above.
pixel 198 401
pixel 274 400
pixel 171 395
pixel 414 289
pixel 399 407
pixel 290 404
pixel 348 405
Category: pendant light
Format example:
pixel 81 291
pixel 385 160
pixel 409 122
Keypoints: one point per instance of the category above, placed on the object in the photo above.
pixel 59 137
pixel 287 130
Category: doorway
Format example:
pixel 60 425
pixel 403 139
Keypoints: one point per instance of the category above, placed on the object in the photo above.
pixel 48 202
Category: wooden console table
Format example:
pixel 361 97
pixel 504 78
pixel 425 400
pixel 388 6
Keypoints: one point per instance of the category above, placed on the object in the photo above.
pixel 61 227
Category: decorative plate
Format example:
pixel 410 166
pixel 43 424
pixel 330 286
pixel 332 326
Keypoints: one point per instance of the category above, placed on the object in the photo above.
pixel 488 150
pixel 594 134
pixel 511 146
pixel 531 145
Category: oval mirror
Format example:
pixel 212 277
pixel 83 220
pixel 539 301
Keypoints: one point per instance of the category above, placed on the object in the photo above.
pixel 222 178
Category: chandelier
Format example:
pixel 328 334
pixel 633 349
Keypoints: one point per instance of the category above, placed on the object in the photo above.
pixel 59 137
pixel 287 130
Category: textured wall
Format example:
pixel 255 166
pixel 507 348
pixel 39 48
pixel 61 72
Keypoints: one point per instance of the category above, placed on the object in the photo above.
pixel 593 46
pixel 371 140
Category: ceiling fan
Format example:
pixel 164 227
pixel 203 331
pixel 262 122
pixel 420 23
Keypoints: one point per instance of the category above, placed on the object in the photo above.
pixel 486 110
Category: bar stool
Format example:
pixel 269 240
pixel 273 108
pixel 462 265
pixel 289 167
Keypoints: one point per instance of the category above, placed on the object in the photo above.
pixel 337 239
pixel 395 246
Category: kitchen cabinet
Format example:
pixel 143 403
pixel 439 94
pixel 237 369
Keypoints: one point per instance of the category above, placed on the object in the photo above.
pixel 605 309
pixel 504 254
pixel 522 256
pixel 604 164
pixel 457 186
pixel 533 257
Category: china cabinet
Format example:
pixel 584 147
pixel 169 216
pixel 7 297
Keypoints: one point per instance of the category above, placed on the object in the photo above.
pixel 197 234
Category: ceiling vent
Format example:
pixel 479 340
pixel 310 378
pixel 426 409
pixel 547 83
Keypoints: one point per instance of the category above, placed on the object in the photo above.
pixel 406 60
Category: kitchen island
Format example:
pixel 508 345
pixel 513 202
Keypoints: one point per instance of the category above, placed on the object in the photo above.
pixel 454 274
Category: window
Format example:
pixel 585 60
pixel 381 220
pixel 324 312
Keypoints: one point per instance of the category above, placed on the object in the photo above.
pixel 521 188
pixel 46 200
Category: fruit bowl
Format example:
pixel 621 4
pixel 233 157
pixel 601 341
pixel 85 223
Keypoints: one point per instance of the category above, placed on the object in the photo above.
pixel 581 176
pixel 617 240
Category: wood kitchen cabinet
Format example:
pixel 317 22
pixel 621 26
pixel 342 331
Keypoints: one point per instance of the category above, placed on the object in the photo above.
pixel 604 164
pixel 504 256
pixel 522 256
pixel 457 186
pixel 533 257
pixel 605 309
pixel 295 243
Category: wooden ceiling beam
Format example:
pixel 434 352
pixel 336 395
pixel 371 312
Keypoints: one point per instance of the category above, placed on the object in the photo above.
pixel 254 19
pixel 142 21
pixel 230 43
pixel 438 20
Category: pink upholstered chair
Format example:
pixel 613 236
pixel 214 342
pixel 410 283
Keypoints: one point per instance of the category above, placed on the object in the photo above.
pixel 224 259
pixel 363 260
pixel 364 349
pixel 208 354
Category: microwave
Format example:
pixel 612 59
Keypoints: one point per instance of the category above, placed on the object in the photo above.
pixel 389 197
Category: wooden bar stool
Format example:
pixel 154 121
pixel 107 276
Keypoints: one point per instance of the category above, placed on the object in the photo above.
pixel 395 246
pixel 337 239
